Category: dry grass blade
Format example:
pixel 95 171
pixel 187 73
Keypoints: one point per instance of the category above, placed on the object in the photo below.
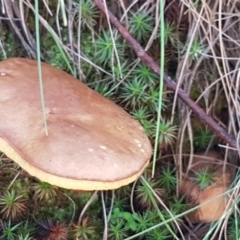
pixel 222 133
pixel 15 15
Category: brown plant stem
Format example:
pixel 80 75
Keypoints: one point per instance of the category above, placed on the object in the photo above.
pixel 218 130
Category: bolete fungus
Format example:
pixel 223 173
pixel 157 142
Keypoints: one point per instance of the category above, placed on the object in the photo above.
pixel 92 144
pixel 214 192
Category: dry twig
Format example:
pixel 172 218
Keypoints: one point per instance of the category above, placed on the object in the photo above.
pixel 218 130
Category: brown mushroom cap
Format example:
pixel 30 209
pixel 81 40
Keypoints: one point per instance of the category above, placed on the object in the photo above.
pixel 214 209
pixel 92 143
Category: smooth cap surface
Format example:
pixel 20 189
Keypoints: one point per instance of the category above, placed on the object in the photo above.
pixel 214 202
pixel 92 143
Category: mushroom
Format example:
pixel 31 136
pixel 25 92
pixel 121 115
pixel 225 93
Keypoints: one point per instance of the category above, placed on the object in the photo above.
pixel 92 144
pixel 194 196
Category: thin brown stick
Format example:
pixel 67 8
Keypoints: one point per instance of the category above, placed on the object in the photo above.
pixel 218 130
